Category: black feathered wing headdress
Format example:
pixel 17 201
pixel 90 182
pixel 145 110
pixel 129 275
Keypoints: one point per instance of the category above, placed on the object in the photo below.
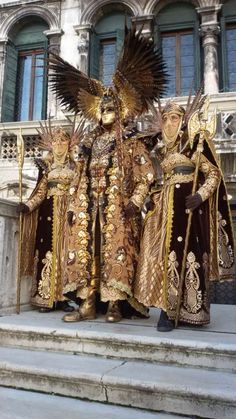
pixel 139 79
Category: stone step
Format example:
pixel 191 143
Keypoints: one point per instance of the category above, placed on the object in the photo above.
pixel 19 404
pixel 209 347
pixel 156 387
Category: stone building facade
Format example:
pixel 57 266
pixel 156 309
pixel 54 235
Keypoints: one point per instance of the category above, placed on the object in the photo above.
pixel 198 41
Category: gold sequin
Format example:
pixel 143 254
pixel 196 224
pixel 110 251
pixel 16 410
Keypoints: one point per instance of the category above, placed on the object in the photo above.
pixel 72 190
pixel 150 177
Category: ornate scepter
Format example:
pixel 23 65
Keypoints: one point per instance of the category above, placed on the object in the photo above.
pixel 20 159
pixel 198 124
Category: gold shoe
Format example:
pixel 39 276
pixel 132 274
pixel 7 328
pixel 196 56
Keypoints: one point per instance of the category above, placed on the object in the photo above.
pixel 86 311
pixel 72 317
pixel 113 312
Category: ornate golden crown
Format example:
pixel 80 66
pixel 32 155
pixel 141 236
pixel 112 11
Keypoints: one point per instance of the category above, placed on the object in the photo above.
pixel 48 135
pixel 59 133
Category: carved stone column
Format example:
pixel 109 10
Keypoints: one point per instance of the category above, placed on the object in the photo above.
pixel 54 41
pixel 3 45
pixel 211 69
pixel 84 34
pixel 209 31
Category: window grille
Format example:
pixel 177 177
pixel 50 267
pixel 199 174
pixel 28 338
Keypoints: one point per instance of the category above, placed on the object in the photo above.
pixel 9 150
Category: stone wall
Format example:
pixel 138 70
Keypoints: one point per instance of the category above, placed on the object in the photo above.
pixel 9 233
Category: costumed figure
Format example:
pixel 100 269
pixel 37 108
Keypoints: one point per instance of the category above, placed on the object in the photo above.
pixel 45 218
pixel 187 239
pixel 104 212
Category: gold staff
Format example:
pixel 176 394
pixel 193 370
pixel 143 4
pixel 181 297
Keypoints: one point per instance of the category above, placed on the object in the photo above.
pixel 198 124
pixel 20 159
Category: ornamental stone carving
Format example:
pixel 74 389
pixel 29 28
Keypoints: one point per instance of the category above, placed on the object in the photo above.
pixel 17 13
pixel 83 43
pixel 210 30
pixel 146 23
pixel 54 40
pixel 93 11
pixel 208 3
pixel 83 32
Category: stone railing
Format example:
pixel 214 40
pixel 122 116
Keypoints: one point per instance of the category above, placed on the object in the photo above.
pixel 9 233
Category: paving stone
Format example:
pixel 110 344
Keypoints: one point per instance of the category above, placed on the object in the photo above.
pixel 19 404
pixel 186 372
pixel 167 388
pixel 130 339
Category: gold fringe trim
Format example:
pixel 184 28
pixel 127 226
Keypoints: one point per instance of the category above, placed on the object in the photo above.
pixel 169 228
pixel 54 256
pixel 120 287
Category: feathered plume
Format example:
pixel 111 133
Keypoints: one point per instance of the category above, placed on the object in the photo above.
pixel 140 78
pixel 197 103
pixel 77 133
pixel 73 133
pixel 69 84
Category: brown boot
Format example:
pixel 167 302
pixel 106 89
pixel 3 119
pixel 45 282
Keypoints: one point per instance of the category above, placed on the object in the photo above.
pixel 86 311
pixel 113 312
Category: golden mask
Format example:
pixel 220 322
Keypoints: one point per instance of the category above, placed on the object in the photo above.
pixel 108 115
pixel 172 120
pixel 60 144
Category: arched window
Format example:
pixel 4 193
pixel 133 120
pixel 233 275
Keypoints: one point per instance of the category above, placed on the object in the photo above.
pixel 24 95
pixel 106 44
pixel 228 46
pixel 176 33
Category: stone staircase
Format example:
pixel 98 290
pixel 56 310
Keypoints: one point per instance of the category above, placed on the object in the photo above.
pixel 189 372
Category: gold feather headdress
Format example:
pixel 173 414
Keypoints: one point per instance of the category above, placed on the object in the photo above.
pixel 72 133
pixel 139 79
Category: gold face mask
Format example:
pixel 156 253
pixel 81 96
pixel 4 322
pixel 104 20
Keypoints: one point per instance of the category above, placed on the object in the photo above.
pixel 108 113
pixel 60 146
pixel 172 120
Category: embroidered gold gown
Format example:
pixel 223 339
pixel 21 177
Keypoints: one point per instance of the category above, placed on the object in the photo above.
pixel 210 248
pixel 45 234
pixel 104 244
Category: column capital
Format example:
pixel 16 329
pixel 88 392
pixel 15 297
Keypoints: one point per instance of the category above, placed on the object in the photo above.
pixel 86 27
pixel 211 29
pixel 3 41
pixel 209 8
pixel 53 32
pixel 146 22
pixel 209 12
pixel 209 18
pixel 3 45
pixel 54 37
pixel 83 32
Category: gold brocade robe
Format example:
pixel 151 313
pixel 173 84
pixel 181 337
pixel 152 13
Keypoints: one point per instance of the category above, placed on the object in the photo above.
pixel 45 233
pixel 104 244
pixel 210 245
